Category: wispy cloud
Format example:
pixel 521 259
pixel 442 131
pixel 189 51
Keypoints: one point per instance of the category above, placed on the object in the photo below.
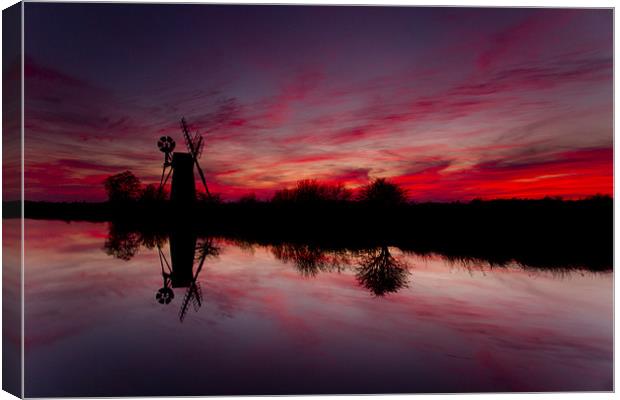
pixel 526 88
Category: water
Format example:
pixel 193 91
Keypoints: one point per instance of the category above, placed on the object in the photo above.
pixel 277 319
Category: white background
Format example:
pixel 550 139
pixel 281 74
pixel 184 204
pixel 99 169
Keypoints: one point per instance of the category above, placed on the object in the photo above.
pixel 488 3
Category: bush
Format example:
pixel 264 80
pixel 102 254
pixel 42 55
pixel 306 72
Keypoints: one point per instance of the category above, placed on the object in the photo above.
pixel 153 194
pixel 382 192
pixel 312 191
pixel 123 187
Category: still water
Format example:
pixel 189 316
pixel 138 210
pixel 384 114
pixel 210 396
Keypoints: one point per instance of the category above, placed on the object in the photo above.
pixel 110 316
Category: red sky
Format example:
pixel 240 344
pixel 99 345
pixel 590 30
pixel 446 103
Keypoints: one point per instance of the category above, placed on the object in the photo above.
pixel 452 103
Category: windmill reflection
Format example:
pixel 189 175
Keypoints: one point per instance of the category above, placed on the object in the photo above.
pixel 165 294
pixel 180 273
pixel 382 273
pixel 376 269
pixel 179 269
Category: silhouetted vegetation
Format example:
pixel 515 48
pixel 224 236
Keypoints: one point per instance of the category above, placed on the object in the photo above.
pixel 382 273
pixel 153 194
pixel 122 244
pixel 214 198
pixel 310 191
pixel 383 193
pixel 248 199
pixel 548 232
pixel 122 188
pixel 375 267
pixel 308 258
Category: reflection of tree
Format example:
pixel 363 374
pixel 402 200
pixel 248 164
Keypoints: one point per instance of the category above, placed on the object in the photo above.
pixel 207 249
pixel 381 273
pixel 309 260
pixel 122 244
pixel 243 244
pixel 151 239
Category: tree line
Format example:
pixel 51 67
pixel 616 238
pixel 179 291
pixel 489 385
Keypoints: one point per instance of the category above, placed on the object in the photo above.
pixel 126 187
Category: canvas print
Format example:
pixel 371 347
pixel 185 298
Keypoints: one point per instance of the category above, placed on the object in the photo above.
pixel 295 200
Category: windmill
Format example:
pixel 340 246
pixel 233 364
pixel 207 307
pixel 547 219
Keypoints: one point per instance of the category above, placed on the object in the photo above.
pixel 181 165
pixel 193 295
pixel 178 273
pixel 166 145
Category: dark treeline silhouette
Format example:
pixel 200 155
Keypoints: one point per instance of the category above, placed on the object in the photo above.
pixel 546 232
pixel 310 191
pixel 377 269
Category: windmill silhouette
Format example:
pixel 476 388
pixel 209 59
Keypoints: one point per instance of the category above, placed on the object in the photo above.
pixel 181 165
pixel 179 272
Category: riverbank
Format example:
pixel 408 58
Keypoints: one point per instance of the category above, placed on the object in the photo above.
pixel 548 232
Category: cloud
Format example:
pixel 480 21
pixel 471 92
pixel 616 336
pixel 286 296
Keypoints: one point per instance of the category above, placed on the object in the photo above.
pixel 523 39
pixel 571 174
pixel 547 76
pixel 455 132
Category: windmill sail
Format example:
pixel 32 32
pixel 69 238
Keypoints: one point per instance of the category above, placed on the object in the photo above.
pixel 194 145
pixel 193 295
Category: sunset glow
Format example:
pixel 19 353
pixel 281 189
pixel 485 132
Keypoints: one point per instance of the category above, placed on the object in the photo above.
pixel 452 103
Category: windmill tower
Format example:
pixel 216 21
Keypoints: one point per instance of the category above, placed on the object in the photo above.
pixel 181 166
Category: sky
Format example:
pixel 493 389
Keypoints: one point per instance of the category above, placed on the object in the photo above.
pixel 451 103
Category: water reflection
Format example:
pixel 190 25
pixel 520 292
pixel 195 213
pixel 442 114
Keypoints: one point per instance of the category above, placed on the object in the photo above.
pixel 122 244
pixel 179 268
pixel 311 259
pixel 376 269
pixel 455 329
pixel 381 272
pixel 181 272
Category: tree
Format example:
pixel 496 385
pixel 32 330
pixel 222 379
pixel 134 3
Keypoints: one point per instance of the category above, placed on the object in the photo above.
pixel 153 194
pixel 249 198
pixel 123 187
pixel 382 192
pixel 214 198
pixel 312 191
pixel 381 273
